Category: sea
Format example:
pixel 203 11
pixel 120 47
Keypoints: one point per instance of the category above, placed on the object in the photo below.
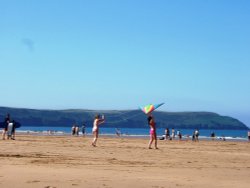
pixel 235 135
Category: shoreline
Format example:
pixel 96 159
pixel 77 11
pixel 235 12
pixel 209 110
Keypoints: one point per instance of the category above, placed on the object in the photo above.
pixel 124 136
pixel 140 132
pixel 184 138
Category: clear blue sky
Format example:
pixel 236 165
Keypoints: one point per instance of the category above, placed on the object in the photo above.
pixel 194 55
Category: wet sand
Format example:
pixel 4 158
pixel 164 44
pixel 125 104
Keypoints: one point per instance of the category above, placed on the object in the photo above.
pixel 65 161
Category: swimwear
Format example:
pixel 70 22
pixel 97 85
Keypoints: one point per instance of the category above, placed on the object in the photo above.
pixel 94 129
pixel 152 131
pixel 95 126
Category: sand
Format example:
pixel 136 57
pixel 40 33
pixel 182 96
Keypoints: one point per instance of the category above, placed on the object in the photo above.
pixel 66 161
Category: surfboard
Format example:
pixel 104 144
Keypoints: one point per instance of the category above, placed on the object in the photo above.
pixel 10 127
pixel 17 124
pixel 2 124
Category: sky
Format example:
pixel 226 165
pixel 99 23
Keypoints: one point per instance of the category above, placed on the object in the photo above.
pixel 194 55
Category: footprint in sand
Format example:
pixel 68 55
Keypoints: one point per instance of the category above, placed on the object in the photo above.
pixel 34 181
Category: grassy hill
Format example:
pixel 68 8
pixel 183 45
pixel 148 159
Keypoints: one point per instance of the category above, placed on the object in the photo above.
pixel 125 118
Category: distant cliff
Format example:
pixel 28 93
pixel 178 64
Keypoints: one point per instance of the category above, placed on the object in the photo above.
pixel 126 118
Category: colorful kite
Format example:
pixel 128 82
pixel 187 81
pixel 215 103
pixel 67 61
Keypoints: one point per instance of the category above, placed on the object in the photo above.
pixel 150 108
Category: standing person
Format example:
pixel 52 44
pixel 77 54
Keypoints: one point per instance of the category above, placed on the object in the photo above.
pixel 173 134
pixel 13 132
pixel 248 135
pixel 6 123
pixel 193 136
pixel 167 134
pixel 77 130
pixel 212 135
pixel 196 134
pixel 153 136
pixel 10 129
pixel 97 121
pixel 73 129
pixel 179 135
pixel 83 129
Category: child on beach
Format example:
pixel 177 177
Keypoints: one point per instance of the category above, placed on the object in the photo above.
pixel 153 136
pixel 97 121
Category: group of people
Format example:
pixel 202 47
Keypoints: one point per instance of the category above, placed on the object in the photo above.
pixel 172 135
pixel 9 128
pixel 75 129
pixel 152 125
pixel 100 119
pixel 153 136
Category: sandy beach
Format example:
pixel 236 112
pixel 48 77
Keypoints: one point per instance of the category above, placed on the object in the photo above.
pixel 66 161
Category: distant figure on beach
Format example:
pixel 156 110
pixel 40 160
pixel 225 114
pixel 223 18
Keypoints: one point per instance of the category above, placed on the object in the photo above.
pixel 13 131
pixel 118 132
pixel 193 136
pixel 6 123
pixel 153 136
pixel 196 135
pixel 73 129
pixel 167 134
pixel 83 129
pixel 97 121
pixel 212 135
pixel 223 138
pixel 173 134
pixel 77 130
pixel 9 130
pixel 248 135
pixel 179 134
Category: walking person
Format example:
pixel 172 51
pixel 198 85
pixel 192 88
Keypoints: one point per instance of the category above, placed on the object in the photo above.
pixel 97 121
